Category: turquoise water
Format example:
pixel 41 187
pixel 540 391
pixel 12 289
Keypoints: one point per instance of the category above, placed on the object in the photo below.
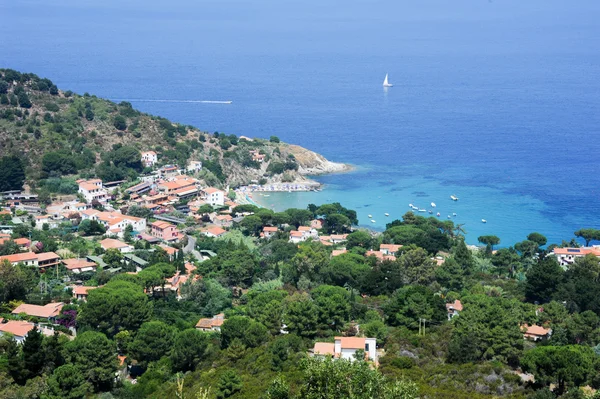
pixel 497 102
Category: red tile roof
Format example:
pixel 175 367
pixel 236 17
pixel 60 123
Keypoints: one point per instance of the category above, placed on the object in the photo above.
pixel 352 342
pixel 324 348
pixel 71 264
pixel 17 327
pixel 46 311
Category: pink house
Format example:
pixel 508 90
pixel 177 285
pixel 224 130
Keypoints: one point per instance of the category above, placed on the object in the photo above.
pixel 164 230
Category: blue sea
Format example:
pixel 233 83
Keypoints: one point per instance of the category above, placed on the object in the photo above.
pixel 496 102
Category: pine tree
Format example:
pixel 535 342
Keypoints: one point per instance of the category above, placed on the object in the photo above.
pixel 33 355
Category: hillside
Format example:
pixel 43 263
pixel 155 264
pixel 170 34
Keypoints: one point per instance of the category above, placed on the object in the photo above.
pixel 57 133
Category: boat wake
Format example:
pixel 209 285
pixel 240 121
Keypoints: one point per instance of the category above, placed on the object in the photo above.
pixel 146 100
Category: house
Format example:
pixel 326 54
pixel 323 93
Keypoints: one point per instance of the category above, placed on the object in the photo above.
pixel 172 252
pixel 338 252
pixel 380 256
pixel 214 232
pixel 169 171
pixel 194 166
pixel 454 308
pixel 389 249
pixel 269 231
pixel 41 220
pixel 567 256
pixel 19 329
pixel 535 333
pixel 338 238
pixel 41 260
pixel 115 222
pixel 183 186
pixel 164 231
pixel 139 188
pixel 213 196
pixel 81 293
pixel 48 311
pixel 149 158
pixel 316 224
pixel 79 265
pixel 211 324
pixel 346 347
pixel 23 243
pixel 223 220
pixel 296 236
pixel 92 190
pixel 111 243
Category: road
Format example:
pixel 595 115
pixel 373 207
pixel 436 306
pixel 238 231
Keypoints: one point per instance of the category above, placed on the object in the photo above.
pixel 191 247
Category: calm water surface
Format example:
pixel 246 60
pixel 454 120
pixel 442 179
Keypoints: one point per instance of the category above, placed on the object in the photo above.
pixel 495 102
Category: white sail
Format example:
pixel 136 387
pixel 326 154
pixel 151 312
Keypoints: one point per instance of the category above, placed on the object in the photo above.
pixel 385 82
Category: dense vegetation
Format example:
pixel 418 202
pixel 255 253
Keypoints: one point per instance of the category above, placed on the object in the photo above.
pixel 47 134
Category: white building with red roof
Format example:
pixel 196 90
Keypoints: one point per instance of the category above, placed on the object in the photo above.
pixel 19 329
pixel 214 232
pixel 567 256
pixel 149 158
pixel 48 311
pixel 111 243
pixel 213 196
pixel 346 348
pixel 92 190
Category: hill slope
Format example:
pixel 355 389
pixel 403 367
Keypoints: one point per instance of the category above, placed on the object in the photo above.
pixel 58 133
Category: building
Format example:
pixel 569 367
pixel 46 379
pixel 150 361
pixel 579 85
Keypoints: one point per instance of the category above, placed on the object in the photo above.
pixel 23 243
pixel 115 222
pixel 346 348
pixel 211 324
pixel 81 293
pixel 79 265
pixel 389 249
pixel 454 308
pixel 535 333
pixel 567 256
pixel 194 166
pixel 164 231
pixel 48 311
pixel 269 231
pixel 92 190
pixel 149 158
pixel 41 260
pixel 223 220
pixel 213 196
pixel 214 232
pixel 296 236
pixel 139 188
pixel 19 329
pixel 111 243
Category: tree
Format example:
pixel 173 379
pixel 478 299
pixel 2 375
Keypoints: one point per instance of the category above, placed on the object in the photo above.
pixel 89 227
pixel 410 304
pixel 207 295
pixel 24 101
pixel 33 355
pixel 588 235
pixel 417 266
pixel 538 238
pixel 341 379
pixel 127 157
pixel 120 123
pixel 274 139
pixel 12 173
pixel 300 315
pixel 119 305
pixel 189 349
pixel 278 389
pixel 67 382
pixel 15 281
pixel 565 366
pixel 267 308
pixel 251 225
pixel 489 241
pixel 543 280
pixel 251 333
pixel 152 341
pixel 229 383
pixel 359 238
pixel 333 305
pixel 113 257
pixel 487 328
pixel 95 356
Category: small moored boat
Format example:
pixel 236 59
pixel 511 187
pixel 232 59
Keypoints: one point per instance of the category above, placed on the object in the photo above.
pixel 372 221
pixel 433 204
pixel 454 198
pixel 483 221
pixel 386 214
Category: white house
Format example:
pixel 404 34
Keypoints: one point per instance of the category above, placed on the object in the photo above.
pixel 19 329
pixel 567 256
pixel 213 196
pixel 111 243
pixel 454 308
pixel 211 324
pixel 149 158
pixel 92 190
pixel 194 166
pixel 346 348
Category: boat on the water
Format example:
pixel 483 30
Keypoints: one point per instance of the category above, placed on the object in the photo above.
pixel 372 221
pixel 483 221
pixel 422 210
pixel 386 83
pixel 454 198
pixel 433 204
pixel 438 214
pixel 386 214
pixel 430 211
pixel 370 216
pixel 454 214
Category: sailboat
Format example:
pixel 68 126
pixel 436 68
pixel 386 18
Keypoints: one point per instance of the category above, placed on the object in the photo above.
pixel 385 82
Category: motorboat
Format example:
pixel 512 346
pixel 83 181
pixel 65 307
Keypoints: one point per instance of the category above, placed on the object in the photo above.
pixel 433 204
pixel 372 221
pixel 370 216
pixel 422 210
pixel 454 198
pixel 483 221
pixel 386 214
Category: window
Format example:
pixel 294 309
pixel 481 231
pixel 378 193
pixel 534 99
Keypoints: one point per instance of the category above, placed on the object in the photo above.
pixel 367 348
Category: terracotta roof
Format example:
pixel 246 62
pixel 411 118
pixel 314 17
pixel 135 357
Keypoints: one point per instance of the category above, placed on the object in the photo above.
pixel 576 251
pixel 295 233
pixel 216 231
pixel 390 247
pixel 162 225
pixel 169 250
pixel 211 190
pixel 215 321
pixel 324 348
pixel 81 290
pixel 49 310
pixel 71 264
pixel 303 228
pixel 536 330
pixel 16 258
pixel 337 252
pixel 148 153
pixel 270 229
pixel 352 342
pixel 456 305
pixel 44 256
pixel 90 212
pixel 224 217
pixel 22 241
pixel 380 255
pixel 339 236
pixel 88 186
pixel 111 243
pixel 17 327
